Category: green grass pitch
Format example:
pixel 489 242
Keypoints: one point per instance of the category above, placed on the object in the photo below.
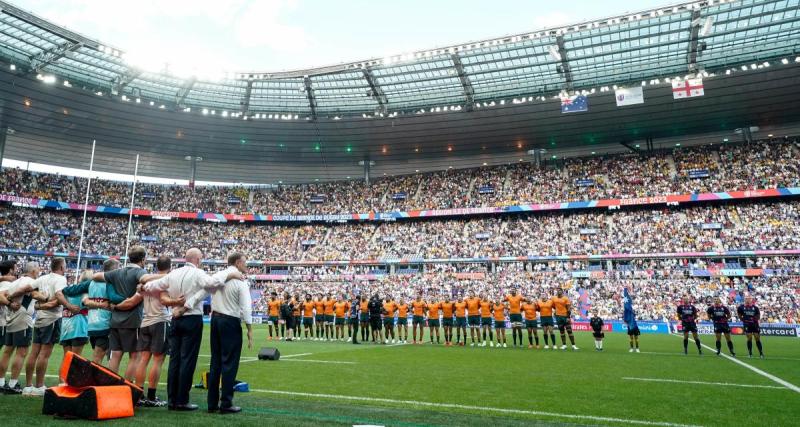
pixel 324 383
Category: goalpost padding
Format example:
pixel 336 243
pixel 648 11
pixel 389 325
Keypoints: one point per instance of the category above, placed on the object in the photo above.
pixel 79 372
pixel 89 403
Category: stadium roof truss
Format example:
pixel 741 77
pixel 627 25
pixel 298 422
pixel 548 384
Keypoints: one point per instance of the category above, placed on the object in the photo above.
pixel 669 41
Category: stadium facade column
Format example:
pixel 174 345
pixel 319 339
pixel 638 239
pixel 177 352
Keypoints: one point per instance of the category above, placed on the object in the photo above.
pixel 367 164
pixel 3 135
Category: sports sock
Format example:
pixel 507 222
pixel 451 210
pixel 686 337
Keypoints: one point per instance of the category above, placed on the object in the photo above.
pixel 563 339
pixel 685 345
pixel 553 339
pixel 760 349
pixel 12 383
pixel 151 394
pixel 572 339
pixel 530 339
pixel 718 345
pixel 697 343
pixel 536 338
pixel 546 340
pixel 491 335
pixel 514 333
pixel 730 347
pixel 601 344
pixel 631 343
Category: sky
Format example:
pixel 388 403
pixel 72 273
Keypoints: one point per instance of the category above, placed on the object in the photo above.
pixel 208 38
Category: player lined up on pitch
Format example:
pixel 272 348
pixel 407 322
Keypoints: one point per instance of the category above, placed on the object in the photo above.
pixel 386 320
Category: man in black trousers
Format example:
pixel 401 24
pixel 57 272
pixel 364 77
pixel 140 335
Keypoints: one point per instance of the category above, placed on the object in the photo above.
pixel 229 307
pixel 355 311
pixel 187 324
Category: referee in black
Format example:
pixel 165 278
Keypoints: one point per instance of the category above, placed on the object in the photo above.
pixel 355 311
pixel 375 307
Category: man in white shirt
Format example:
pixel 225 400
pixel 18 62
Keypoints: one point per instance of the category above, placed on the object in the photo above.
pixel 6 277
pixel 153 342
pixel 187 325
pixel 19 327
pixel 229 307
pixel 47 326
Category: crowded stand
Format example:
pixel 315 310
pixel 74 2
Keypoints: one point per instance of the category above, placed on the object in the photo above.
pixel 729 227
pixel 706 168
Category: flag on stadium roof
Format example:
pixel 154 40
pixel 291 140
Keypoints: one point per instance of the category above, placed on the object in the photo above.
pixel 629 96
pixel 574 104
pixel 687 88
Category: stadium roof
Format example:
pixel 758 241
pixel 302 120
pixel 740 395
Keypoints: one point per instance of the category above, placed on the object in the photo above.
pixel 667 41
pixel 488 101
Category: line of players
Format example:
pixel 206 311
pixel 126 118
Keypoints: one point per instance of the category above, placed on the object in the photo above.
pixel 720 316
pixel 386 321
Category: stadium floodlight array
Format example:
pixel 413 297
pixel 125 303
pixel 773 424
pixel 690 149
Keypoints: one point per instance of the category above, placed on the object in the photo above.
pixel 548 47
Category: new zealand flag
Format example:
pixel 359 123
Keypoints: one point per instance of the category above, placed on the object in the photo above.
pixel 574 104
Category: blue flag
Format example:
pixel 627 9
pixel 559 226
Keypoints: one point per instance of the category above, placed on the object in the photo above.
pixel 574 104
pixel 629 316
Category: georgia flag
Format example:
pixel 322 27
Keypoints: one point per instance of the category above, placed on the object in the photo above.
pixel 687 88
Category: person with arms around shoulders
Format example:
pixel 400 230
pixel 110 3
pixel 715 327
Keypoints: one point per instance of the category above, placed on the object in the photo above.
pixel 230 306
pixel 186 333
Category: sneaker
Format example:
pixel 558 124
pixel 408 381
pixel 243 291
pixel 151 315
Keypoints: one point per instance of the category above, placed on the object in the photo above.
pixel 537 346
pixel 472 344
pixel 637 350
pixel 17 389
pixel 733 354
pixel 26 391
pixel 630 351
pixel 574 347
pixel 530 346
pixel 761 356
pixel 563 346
pixel 504 345
pixel 492 344
pixel 546 347
pixel 38 391
pixel 155 403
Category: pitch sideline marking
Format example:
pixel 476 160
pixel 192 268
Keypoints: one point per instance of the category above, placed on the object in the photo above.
pixel 335 362
pixel 469 407
pixel 667 380
pixel 780 381
pixel 295 355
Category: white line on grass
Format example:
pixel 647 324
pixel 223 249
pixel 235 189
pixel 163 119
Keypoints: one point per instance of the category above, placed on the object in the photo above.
pixel 473 408
pixel 468 407
pixel 335 362
pixel 780 381
pixel 287 356
pixel 665 380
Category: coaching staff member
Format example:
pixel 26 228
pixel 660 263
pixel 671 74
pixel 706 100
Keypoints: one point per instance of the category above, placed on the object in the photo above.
pixel 230 306
pixel 124 326
pixel 187 325
pixel 375 308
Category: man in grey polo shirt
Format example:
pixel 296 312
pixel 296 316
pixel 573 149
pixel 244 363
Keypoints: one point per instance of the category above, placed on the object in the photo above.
pixel 125 324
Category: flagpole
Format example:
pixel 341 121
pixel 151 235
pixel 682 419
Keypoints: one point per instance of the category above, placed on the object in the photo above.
pixel 130 212
pixel 85 207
